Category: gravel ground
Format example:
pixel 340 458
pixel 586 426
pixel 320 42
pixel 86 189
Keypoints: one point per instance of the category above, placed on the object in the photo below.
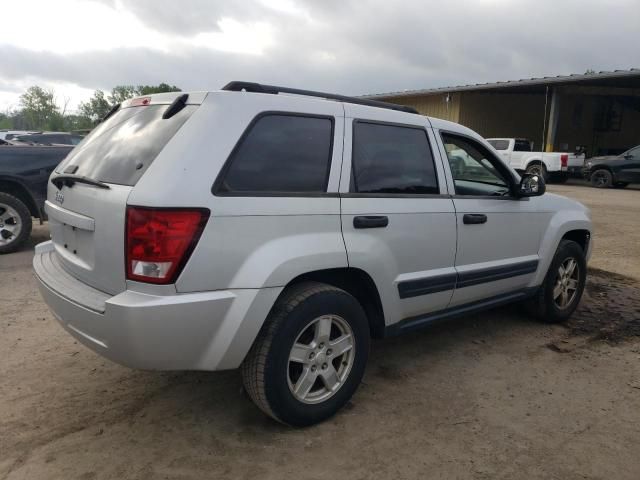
pixel 489 396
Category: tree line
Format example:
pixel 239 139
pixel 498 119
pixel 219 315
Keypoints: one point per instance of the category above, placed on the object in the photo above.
pixel 39 109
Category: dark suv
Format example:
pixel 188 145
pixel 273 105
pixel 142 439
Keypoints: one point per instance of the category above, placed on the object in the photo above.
pixel 615 170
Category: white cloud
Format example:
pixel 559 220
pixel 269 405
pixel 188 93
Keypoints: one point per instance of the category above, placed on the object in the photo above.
pixel 347 46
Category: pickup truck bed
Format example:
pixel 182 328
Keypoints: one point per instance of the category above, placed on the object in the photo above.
pixel 517 152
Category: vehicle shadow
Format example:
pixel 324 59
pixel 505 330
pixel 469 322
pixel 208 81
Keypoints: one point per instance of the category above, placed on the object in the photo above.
pixel 218 400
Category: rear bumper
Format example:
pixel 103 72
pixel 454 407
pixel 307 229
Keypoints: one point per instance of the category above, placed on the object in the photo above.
pixel 193 331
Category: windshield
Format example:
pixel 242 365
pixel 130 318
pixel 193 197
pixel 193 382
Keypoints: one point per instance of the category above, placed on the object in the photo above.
pixel 120 149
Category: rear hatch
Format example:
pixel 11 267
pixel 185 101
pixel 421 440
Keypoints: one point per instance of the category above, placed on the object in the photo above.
pixel 88 191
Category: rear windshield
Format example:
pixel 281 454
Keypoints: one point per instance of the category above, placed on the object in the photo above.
pixel 120 149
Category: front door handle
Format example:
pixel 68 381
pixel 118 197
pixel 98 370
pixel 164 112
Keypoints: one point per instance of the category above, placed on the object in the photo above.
pixel 370 221
pixel 474 218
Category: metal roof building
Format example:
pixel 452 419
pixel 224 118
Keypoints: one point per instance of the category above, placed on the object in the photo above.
pixel 599 110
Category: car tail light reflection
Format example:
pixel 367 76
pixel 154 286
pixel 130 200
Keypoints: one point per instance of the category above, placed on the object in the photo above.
pixel 564 159
pixel 159 241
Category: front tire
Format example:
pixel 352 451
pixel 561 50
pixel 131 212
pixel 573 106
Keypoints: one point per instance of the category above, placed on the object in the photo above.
pixel 562 289
pixel 15 223
pixel 538 168
pixel 601 178
pixel 310 355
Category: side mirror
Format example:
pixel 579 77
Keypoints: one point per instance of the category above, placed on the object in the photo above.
pixel 531 185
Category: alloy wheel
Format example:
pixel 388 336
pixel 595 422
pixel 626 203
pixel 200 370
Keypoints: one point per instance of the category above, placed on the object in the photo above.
pixel 321 358
pixel 10 224
pixel 567 280
pixel 599 178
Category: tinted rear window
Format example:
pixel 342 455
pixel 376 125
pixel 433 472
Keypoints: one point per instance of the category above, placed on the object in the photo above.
pixel 281 153
pixel 121 149
pixel 392 159
pixel 522 146
pixel 499 144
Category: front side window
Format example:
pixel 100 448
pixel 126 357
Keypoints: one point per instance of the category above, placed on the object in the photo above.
pixel 473 167
pixel 392 159
pixel 281 153
pixel 634 152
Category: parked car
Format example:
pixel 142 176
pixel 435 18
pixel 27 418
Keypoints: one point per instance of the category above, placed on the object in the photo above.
pixel 301 225
pixel 614 171
pixel 11 134
pixel 24 174
pixel 554 166
pixel 50 138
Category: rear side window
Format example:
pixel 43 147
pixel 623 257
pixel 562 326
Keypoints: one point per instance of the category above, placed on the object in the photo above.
pixel 281 153
pixel 392 159
pixel 499 144
pixel 120 149
pixel 522 146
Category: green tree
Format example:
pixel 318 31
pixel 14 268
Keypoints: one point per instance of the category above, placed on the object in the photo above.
pixel 151 89
pixel 120 93
pixel 6 121
pixel 39 108
pixel 95 108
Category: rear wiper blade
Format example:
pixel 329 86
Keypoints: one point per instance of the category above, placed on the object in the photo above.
pixel 69 180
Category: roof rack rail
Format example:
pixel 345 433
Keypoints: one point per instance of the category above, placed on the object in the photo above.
pixel 238 86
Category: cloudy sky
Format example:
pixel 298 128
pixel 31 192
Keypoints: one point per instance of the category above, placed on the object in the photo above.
pixel 345 46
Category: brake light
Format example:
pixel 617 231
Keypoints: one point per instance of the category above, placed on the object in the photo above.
pixel 564 159
pixel 159 241
pixel 140 102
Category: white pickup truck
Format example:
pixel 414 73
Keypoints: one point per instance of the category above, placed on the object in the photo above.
pixel 517 152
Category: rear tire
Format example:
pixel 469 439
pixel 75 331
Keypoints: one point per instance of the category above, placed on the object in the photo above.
pixel 538 168
pixel 560 293
pixel 15 223
pixel 307 384
pixel 601 178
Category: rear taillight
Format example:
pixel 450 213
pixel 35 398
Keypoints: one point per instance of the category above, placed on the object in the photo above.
pixel 160 241
pixel 564 159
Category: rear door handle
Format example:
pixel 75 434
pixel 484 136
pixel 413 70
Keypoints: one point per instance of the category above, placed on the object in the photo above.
pixel 370 222
pixel 474 218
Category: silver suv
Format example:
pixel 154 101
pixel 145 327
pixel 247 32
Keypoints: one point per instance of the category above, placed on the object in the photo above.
pixel 278 230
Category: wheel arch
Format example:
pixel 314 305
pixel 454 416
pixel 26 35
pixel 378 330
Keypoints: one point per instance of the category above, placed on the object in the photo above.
pixel 356 282
pixel 606 167
pixel 566 224
pixel 601 166
pixel 581 236
pixel 17 189
pixel 534 161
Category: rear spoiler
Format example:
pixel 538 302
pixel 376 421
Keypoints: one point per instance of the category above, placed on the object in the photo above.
pixel 194 98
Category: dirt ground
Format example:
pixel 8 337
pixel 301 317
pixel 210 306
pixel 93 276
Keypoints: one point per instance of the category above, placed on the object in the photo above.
pixel 489 396
pixel 616 218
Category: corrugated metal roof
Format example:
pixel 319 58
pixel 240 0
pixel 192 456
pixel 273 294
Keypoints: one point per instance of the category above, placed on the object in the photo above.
pixel 525 82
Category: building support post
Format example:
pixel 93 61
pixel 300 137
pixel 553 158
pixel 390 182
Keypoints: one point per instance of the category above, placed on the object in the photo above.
pixel 554 113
